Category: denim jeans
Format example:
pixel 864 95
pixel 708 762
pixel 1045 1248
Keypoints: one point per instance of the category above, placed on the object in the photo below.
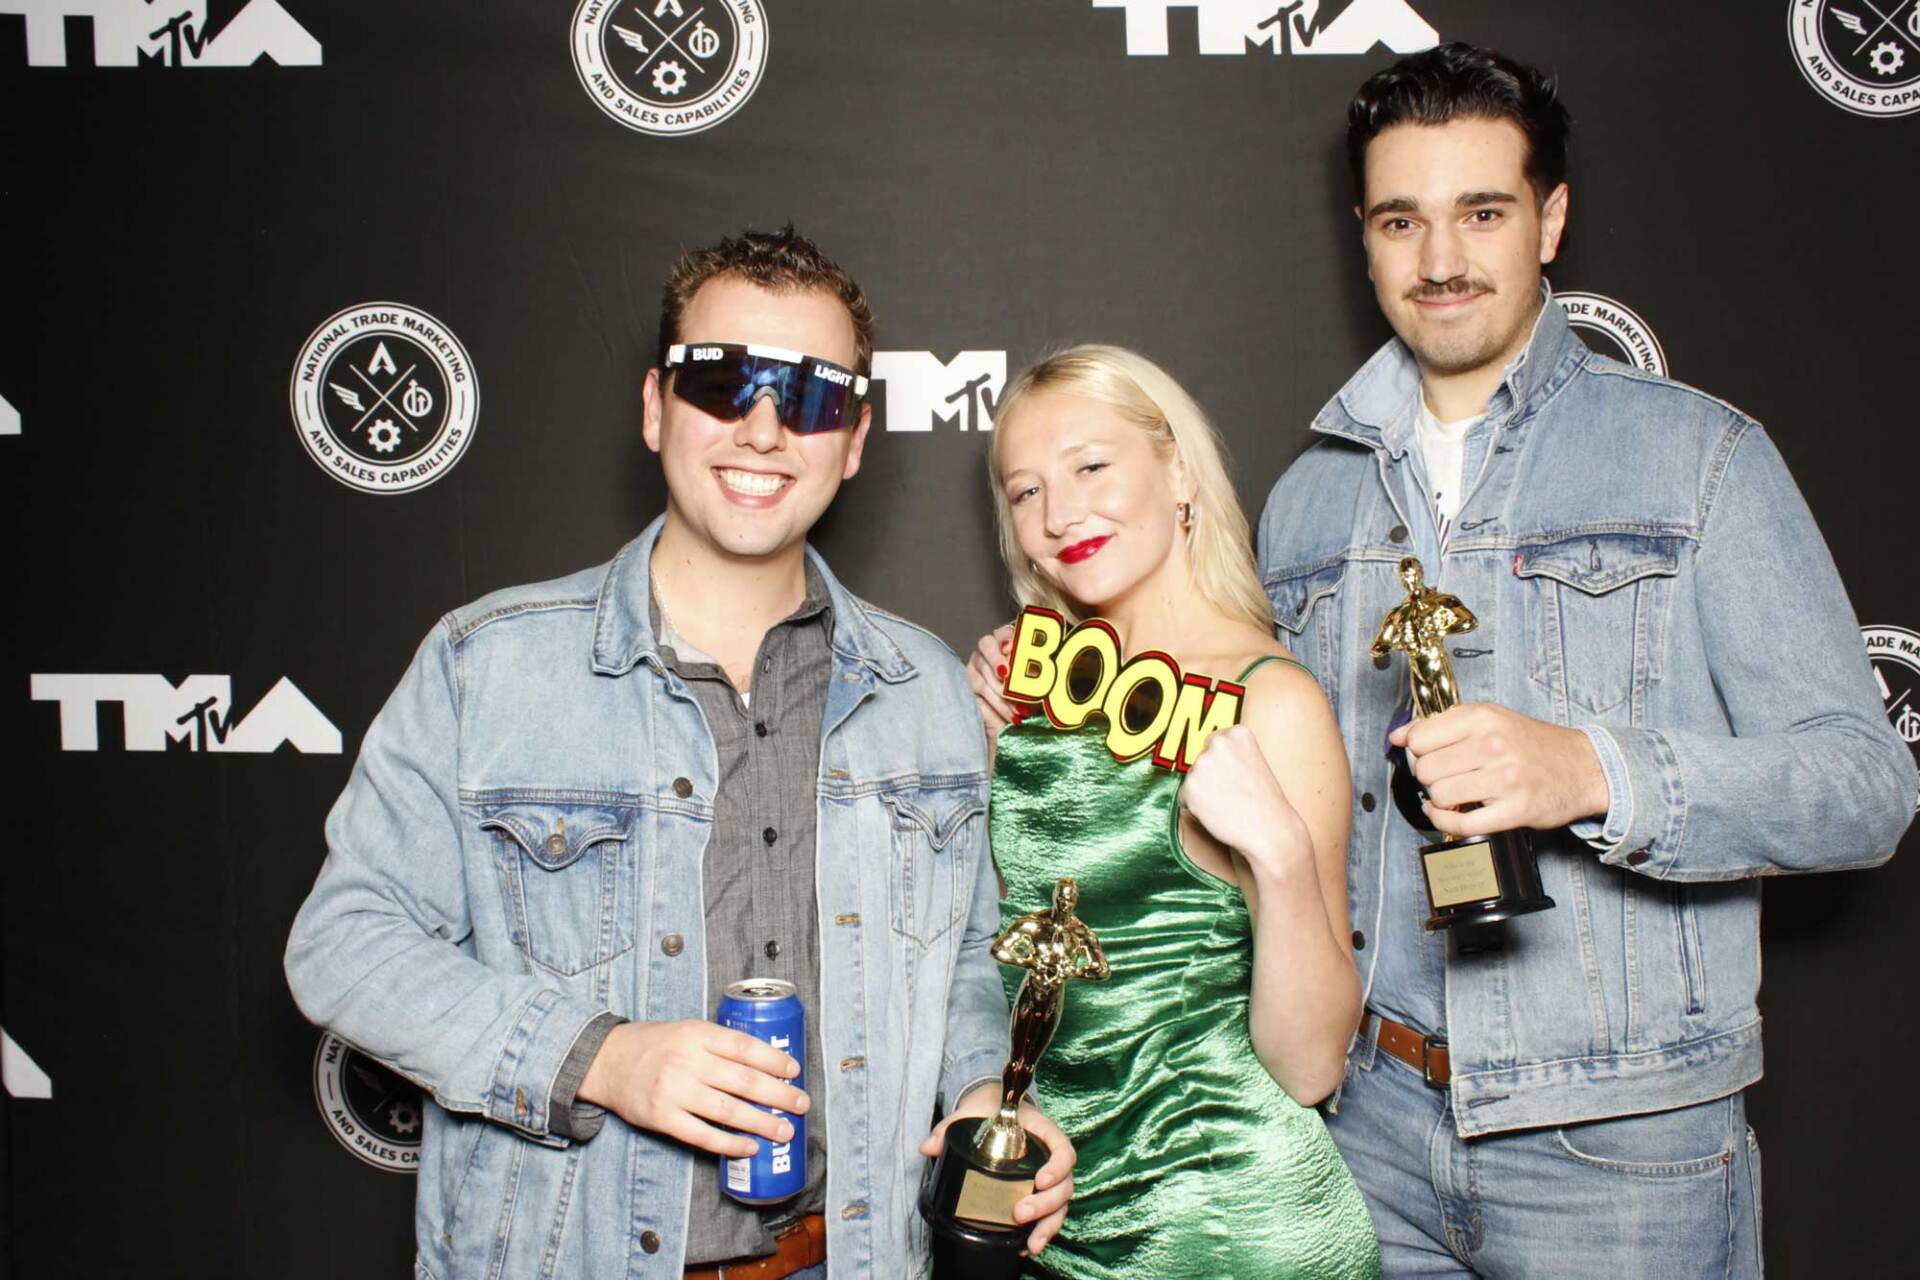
pixel 1666 1195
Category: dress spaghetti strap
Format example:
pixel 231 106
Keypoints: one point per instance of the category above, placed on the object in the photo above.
pixel 1274 657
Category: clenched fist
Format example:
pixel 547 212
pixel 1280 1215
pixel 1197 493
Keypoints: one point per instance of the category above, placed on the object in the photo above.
pixel 1231 791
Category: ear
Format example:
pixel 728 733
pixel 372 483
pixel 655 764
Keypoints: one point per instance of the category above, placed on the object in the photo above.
pixel 651 409
pixel 857 443
pixel 1553 223
pixel 1185 488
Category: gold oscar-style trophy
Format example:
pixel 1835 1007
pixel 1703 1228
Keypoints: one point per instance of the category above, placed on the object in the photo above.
pixel 989 1162
pixel 1479 880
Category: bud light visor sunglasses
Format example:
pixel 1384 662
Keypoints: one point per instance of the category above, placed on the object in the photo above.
pixel 724 379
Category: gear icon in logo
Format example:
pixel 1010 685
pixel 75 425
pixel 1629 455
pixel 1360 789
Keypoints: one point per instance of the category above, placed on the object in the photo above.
pixel 384 436
pixel 670 77
pixel 1887 57
pixel 403 1117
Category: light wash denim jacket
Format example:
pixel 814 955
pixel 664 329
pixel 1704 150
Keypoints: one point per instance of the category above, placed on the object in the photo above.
pixel 524 830
pixel 1642 568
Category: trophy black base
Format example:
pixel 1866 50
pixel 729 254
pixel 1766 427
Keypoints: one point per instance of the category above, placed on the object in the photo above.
pixel 1482 880
pixel 968 1205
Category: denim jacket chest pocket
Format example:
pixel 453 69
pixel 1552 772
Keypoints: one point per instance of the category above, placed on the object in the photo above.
pixel 1305 600
pixel 566 873
pixel 1596 608
pixel 933 834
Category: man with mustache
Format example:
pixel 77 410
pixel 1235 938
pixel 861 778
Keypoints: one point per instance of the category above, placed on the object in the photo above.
pixel 1561 1094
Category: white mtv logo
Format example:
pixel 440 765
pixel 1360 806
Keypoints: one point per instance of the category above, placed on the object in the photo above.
pixel 171 32
pixel 1301 26
pixel 9 419
pixel 198 711
pixel 922 392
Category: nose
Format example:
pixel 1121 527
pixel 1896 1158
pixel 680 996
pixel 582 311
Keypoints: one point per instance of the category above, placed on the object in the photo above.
pixel 760 430
pixel 1441 255
pixel 1061 511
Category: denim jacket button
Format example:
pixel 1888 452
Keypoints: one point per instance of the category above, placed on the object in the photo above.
pixel 1381 662
pixel 773 949
pixel 672 944
pixel 1637 857
pixel 682 788
pixel 1397 534
pixel 556 844
pixel 1359 940
pixel 1367 801
pixel 650 1241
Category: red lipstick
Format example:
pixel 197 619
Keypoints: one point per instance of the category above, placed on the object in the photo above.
pixel 1084 550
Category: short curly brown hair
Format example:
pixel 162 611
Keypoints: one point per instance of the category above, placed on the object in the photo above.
pixel 784 261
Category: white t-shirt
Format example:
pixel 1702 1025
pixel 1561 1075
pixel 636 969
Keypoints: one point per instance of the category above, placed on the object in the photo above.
pixel 1443 453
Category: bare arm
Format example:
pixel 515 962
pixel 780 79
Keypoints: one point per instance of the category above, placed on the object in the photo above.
pixel 1278 796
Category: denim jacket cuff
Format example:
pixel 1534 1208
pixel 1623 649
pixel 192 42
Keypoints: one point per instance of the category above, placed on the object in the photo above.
pixel 568 1117
pixel 1656 804
pixel 965 1072
pixel 1606 832
pixel 531 1059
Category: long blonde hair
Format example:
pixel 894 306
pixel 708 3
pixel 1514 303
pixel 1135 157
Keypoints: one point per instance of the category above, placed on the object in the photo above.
pixel 1219 542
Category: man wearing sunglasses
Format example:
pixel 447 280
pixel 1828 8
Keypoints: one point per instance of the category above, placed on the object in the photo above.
pixel 594 803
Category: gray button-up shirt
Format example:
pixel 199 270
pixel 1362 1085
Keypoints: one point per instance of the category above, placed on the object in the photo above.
pixel 762 913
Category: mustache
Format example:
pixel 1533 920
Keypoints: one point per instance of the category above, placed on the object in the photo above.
pixel 1458 286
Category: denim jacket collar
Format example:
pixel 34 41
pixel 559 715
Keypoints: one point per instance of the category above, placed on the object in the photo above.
pixel 1378 405
pixel 624 635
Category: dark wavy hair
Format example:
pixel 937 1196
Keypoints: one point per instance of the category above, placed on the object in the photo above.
pixel 1463 82
pixel 784 261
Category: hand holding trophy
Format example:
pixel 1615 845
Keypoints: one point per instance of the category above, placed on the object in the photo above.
pixel 989 1162
pixel 1476 881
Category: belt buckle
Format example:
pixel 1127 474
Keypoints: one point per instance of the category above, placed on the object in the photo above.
pixel 1427 1045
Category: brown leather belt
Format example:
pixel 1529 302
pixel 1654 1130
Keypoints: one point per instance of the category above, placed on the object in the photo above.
pixel 1425 1054
pixel 797 1247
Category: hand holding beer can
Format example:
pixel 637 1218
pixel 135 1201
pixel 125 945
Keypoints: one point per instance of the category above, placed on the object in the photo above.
pixel 768 1010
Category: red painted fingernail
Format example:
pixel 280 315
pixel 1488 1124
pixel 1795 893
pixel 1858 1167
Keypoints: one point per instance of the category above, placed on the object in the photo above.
pixel 1002 670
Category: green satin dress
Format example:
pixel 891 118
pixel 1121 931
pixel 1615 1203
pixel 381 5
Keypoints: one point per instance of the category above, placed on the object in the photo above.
pixel 1193 1163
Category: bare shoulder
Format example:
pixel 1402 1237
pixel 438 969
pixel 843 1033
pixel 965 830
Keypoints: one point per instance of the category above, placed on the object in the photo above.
pixel 1289 711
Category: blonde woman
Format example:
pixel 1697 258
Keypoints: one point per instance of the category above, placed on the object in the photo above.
pixel 1187 1080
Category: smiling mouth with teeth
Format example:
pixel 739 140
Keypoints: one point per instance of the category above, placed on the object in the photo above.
pixel 753 483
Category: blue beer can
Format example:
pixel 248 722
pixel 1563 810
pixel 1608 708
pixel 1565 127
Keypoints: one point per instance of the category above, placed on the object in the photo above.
pixel 767 1009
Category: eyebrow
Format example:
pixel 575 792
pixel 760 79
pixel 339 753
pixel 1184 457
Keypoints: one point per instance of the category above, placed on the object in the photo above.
pixel 1465 200
pixel 1080 448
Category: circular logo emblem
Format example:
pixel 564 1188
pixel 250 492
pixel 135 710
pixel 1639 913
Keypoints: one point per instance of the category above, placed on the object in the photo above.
pixel 373 1112
pixel 1863 55
pixel 1895 653
pixel 1623 333
pixel 669 66
pixel 384 398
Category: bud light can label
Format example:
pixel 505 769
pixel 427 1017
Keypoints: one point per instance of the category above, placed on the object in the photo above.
pixel 768 1010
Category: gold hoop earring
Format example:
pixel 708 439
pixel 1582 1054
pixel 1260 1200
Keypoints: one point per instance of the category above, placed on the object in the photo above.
pixel 1184 510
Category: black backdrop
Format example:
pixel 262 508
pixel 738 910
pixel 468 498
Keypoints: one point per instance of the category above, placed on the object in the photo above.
pixel 1003 177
